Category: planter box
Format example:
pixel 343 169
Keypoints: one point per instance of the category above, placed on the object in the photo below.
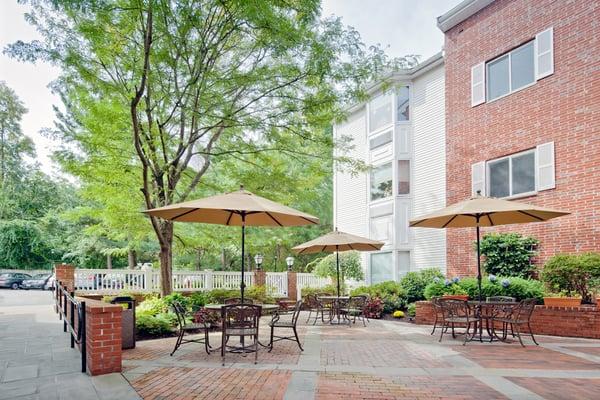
pixel 562 301
pixel 456 296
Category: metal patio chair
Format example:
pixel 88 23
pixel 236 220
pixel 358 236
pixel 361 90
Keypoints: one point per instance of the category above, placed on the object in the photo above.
pixel 456 313
pixel 516 318
pixel 355 308
pixel 278 323
pixel 240 320
pixel 185 326
pixel 315 305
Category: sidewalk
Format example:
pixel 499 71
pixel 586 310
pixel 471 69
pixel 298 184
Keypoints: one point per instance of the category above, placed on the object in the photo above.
pixel 36 360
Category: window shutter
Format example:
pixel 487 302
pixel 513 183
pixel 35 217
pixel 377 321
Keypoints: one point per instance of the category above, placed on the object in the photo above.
pixel 478 84
pixel 545 166
pixel 478 178
pixel 544 53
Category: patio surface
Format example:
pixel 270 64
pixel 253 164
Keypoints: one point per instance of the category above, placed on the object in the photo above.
pixel 385 360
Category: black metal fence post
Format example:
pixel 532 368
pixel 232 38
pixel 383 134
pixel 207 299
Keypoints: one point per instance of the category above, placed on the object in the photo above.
pixel 82 340
pixel 72 319
pixel 64 300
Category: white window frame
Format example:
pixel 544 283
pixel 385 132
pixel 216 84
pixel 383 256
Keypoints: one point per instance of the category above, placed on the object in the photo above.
pixel 383 199
pixel 510 177
pixel 511 90
pixel 385 127
pixel 395 105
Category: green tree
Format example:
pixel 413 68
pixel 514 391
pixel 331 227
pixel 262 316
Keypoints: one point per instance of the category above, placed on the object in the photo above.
pixel 350 266
pixel 196 81
pixel 22 245
pixel 508 254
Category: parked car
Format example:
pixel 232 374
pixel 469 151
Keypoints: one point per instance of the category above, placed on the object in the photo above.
pixel 50 283
pixel 36 282
pixel 12 279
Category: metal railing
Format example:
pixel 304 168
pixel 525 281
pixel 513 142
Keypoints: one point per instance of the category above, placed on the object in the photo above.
pixel 72 313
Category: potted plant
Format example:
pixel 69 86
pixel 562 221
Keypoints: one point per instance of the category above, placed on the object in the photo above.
pixel 454 291
pixel 562 299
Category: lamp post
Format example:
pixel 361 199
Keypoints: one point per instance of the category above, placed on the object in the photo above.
pixel 258 259
pixel 290 262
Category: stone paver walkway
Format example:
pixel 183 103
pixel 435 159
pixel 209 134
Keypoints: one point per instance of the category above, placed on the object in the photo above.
pixel 385 360
pixel 36 360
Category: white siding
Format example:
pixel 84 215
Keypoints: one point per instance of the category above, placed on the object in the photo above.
pixel 350 191
pixel 429 159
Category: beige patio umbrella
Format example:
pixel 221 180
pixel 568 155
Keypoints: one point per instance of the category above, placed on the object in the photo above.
pixel 240 208
pixel 484 211
pixel 338 241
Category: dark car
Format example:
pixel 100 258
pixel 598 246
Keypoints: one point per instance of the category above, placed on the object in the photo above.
pixel 13 279
pixel 36 282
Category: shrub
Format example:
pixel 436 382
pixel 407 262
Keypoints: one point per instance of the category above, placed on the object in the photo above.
pixel 153 305
pixel 573 273
pixel 436 289
pixel 390 292
pixel 179 298
pixel 218 296
pixel 259 294
pixel 210 317
pixel 411 309
pixel 414 283
pixel 197 300
pixel 153 325
pixel 328 290
pixel 374 308
pixel 508 254
pixel 518 288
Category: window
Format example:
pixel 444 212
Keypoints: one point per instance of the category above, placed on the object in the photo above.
pixel 403 176
pixel 382 228
pixel 512 175
pixel 382 267
pixel 402 104
pixel 380 140
pixel 380 112
pixel 510 72
pixel 381 181
pixel 403 262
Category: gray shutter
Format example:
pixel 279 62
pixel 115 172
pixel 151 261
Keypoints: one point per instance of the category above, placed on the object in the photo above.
pixel 545 166
pixel 478 84
pixel 544 54
pixel 478 178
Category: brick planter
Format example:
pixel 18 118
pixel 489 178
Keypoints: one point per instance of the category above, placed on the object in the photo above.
pixel 582 321
pixel 103 337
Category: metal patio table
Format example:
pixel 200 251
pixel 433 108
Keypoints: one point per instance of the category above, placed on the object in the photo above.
pixel 485 312
pixel 335 303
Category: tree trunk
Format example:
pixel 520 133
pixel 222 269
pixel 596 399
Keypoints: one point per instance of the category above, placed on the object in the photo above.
pixel 166 257
pixel 223 259
pixel 108 261
pixel 199 253
pixel 131 259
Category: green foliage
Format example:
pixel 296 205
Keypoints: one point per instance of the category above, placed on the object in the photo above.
pixel 411 309
pixel 22 245
pixel 152 305
pixel 258 293
pixel 350 266
pixel 328 290
pixel 573 273
pixel 218 296
pixel 153 325
pixel 508 254
pixel 519 288
pixel 414 283
pixel 391 293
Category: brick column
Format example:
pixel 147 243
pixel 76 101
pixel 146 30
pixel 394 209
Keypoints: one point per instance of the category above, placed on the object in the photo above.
pixel 260 278
pixel 65 274
pixel 292 289
pixel 103 337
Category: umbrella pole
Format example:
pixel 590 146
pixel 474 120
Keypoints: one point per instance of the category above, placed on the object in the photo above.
pixel 337 269
pixel 478 262
pixel 243 285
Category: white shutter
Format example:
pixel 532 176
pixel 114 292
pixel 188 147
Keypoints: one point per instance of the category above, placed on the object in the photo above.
pixel 478 84
pixel 544 53
pixel 545 166
pixel 478 178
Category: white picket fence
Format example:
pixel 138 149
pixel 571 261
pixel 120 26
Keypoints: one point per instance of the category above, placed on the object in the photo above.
pixel 277 283
pixel 304 280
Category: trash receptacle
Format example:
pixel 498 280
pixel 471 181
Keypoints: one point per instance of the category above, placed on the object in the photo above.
pixel 127 321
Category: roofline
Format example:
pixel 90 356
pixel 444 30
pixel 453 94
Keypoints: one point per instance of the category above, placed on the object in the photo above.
pixel 404 74
pixel 461 12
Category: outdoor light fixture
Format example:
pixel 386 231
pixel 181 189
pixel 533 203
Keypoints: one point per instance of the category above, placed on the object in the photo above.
pixel 258 259
pixel 290 262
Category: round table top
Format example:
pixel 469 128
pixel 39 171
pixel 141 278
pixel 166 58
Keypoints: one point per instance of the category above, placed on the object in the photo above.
pixel 266 307
pixel 333 297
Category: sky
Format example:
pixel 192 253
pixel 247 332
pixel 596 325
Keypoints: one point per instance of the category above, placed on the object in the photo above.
pixel 400 26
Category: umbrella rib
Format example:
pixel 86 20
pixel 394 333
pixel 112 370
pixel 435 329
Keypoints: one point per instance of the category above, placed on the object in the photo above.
pixel 531 215
pixel 309 220
pixel 350 245
pixel 185 213
pixel 229 218
pixel 489 215
pixel 449 221
pixel 273 218
pixel 416 223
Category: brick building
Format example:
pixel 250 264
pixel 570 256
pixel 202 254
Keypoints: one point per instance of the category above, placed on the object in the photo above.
pixel 522 89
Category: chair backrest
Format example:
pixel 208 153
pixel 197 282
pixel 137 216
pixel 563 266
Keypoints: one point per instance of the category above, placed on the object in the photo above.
pixel 358 301
pixel 240 315
pixel 237 300
pixel 500 299
pixel 524 310
pixel 454 308
pixel 180 312
pixel 296 314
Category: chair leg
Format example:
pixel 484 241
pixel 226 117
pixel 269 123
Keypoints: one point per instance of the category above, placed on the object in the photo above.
pixel 453 334
pixel 255 349
pixel 297 339
pixel 178 342
pixel 434 325
pixel 271 341
pixel 442 331
pixel 531 333
pixel 309 314
pixel 206 344
pixel 223 344
pixel 519 335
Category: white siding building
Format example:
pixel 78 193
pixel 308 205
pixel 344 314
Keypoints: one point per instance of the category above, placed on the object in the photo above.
pixel 400 134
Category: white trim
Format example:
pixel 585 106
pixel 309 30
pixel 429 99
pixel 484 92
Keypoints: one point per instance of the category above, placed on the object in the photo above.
pixel 475 89
pixel 539 167
pixel 509 55
pixel 537 54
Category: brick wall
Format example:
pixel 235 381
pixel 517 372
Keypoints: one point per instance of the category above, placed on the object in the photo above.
pixel 581 321
pixel 65 274
pixel 103 337
pixel 292 289
pixel 564 108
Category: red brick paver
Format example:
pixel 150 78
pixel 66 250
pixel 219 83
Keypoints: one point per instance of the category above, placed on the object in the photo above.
pixel 212 383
